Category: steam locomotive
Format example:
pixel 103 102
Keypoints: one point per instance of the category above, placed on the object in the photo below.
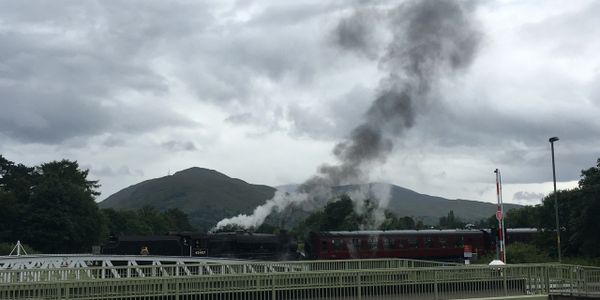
pixel 444 245
pixel 240 244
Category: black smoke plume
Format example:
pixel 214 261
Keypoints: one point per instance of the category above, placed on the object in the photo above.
pixel 429 40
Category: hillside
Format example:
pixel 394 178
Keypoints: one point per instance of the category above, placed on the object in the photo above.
pixel 405 202
pixel 205 195
pixel 208 196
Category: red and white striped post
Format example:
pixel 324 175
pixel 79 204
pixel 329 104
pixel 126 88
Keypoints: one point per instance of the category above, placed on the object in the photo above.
pixel 500 217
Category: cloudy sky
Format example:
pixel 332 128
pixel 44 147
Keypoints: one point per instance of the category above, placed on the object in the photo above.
pixel 262 91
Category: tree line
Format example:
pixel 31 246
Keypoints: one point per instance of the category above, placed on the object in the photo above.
pixel 51 208
pixel 579 217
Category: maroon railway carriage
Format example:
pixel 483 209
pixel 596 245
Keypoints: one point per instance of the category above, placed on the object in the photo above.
pixel 418 244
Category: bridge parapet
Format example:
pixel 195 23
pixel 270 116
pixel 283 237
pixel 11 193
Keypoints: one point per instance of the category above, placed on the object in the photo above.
pixel 160 277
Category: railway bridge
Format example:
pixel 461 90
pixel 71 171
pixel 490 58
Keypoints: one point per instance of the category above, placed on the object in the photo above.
pixel 154 277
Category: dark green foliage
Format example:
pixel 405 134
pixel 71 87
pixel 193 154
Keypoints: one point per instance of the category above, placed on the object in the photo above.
pixel 579 218
pixel 524 217
pixel 451 222
pixel 6 248
pixel 518 253
pixel 341 214
pixel 50 207
pixel 145 221
pixel 579 211
pixel 489 222
pixel 392 222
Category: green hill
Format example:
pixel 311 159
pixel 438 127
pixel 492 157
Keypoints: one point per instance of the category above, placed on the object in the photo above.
pixel 405 202
pixel 402 202
pixel 207 196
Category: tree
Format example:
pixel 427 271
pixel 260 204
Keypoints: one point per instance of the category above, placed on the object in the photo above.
pixel 451 221
pixel 585 219
pixel 339 215
pixel 145 221
pixel 392 222
pixel 61 214
pixel 523 217
pixel 578 210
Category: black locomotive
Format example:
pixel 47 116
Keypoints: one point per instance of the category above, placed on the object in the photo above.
pixel 240 244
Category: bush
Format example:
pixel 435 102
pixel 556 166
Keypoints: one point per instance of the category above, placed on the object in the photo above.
pixel 519 253
pixel 5 249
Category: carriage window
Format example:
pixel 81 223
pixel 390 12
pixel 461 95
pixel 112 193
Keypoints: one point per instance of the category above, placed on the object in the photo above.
pixel 412 243
pixel 356 243
pixel 337 244
pixel 428 243
pixel 401 243
pixel 372 243
pixel 387 243
pixel 460 242
pixel 443 243
pixel 324 245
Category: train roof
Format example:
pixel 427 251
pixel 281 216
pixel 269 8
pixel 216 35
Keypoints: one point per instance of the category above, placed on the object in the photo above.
pixel 141 238
pixel 402 232
pixel 523 230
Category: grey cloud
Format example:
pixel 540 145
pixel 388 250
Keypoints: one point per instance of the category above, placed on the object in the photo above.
pixel 516 140
pixel 179 146
pixel 334 118
pixel 570 33
pixel 62 70
pixel 527 197
pixel 296 13
pixel 243 118
pixel 107 171
pixel 112 141
pixel 33 116
pixel 358 33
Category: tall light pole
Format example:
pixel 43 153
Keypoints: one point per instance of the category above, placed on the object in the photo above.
pixel 552 140
pixel 500 217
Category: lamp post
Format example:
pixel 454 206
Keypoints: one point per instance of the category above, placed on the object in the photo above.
pixel 552 140
pixel 500 217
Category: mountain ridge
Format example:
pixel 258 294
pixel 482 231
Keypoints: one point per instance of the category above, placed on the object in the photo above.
pixel 208 196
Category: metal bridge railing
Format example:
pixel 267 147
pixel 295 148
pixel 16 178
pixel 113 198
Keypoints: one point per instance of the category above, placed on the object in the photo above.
pixel 343 279
pixel 151 267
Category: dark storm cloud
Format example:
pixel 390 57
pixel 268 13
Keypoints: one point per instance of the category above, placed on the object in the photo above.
pixel 64 68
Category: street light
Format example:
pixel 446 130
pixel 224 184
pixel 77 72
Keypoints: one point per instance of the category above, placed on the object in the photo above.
pixel 552 140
